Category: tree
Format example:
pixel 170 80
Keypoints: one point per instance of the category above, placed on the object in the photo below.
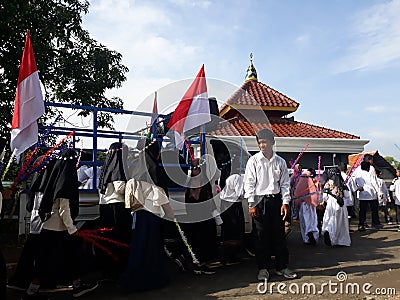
pixel 73 67
pixel 392 161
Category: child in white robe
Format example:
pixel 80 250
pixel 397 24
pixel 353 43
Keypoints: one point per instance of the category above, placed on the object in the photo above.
pixel 335 225
pixel 307 201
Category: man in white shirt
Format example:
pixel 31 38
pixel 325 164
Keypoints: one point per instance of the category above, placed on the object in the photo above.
pixel 267 190
pixel 368 196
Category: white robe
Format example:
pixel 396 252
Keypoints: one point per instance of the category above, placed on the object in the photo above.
pixel 336 222
pixel 308 221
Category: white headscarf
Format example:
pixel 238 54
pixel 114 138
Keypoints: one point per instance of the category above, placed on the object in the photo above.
pixel 233 189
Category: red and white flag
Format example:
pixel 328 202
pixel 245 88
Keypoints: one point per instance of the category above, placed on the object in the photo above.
pixel 193 110
pixel 28 105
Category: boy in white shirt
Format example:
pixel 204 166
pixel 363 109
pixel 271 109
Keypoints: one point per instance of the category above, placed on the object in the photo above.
pixel 267 190
pixel 367 196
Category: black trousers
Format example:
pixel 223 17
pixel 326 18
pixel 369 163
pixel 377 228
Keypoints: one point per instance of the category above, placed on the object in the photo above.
pixel 397 213
pixel 269 232
pixel 373 204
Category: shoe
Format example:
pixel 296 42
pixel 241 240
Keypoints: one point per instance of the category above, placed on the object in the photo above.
pixel 180 264
pixel 83 289
pixel 250 252
pixel 287 273
pixel 389 223
pixel 198 270
pixel 35 296
pixel 311 239
pixel 263 274
pixel 378 226
pixel 361 228
pixel 327 239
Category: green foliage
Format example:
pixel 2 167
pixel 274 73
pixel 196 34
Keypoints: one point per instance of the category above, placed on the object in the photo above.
pixel 73 67
pixel 392 161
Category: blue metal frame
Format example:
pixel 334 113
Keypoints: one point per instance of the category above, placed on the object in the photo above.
pixel 95 133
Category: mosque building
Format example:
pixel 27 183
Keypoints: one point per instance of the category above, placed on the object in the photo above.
pixel 255 106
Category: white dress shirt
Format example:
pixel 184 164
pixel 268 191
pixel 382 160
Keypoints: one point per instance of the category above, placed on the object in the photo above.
pixel 364 179
pixel 396 192
pixel 266 176
pixel 373 179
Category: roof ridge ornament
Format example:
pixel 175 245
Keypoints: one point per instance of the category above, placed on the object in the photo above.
pixel 251 73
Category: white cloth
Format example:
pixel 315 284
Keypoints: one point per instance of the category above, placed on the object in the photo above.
pixel 89 173
pixel 115 193
pixel 144 195
pixel 336 222
pixel 36 222
pixel 365 180
pixel 233 190
pixel 60 219
pixel 384 191
pixel 308 221
pixel 352 187
pixel 373 178
pixel 396 192
pixel 82 177
pixel 264 176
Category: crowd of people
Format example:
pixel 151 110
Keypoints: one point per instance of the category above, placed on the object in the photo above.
pixel 135 210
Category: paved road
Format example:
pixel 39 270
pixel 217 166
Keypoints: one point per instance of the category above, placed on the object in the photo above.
pixel 372 262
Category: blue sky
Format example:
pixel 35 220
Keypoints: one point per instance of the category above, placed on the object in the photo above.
pixel 339 59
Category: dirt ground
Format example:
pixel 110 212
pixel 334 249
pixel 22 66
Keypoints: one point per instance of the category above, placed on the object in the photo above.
pixel 372 264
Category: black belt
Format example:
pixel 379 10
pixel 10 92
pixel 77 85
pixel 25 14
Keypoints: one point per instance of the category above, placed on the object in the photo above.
pixel 272 195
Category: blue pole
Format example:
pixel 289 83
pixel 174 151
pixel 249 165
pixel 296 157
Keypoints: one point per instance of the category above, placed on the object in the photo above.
pixel 94 153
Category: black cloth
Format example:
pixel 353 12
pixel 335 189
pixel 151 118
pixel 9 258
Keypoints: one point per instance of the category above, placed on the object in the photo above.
pixel 233 221
pixel 335 175
pixel 3 277
pixel 374 205
pixel 59 259
pixel 113 169
pixel 201 235
pixel 39 181
pixel 62 182
pixel 269 233
pixel 27 264
pixel 117 217
pixel 147 167
pixel 397 213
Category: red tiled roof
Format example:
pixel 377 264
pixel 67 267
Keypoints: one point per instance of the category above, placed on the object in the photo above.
pixel 280 127
pixel 253 92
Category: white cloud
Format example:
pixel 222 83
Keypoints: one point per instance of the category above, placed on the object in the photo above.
pixel 302 39
pixel 375 39
pixel 376 109
pixel 142 34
